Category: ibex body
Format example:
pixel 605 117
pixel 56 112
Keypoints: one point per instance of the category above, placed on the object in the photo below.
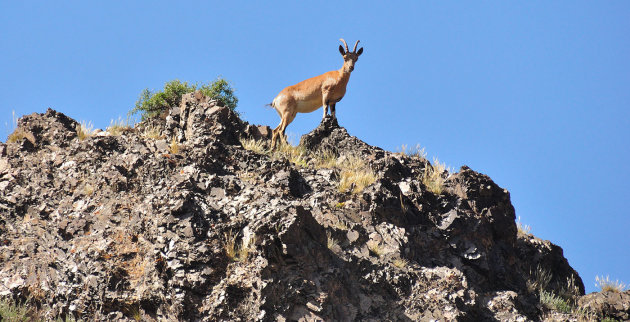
pixel 307 96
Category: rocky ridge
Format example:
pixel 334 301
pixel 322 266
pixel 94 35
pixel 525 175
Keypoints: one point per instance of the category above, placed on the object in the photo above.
pixel 123 227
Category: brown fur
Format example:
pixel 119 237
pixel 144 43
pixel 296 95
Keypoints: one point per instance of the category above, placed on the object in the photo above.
pixel 308 95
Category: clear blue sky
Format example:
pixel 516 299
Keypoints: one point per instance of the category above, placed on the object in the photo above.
pixel 533 93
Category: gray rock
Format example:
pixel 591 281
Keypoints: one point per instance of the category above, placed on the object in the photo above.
pixel 120 228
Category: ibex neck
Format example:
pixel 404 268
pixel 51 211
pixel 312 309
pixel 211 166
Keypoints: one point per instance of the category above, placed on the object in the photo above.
pixel 345 72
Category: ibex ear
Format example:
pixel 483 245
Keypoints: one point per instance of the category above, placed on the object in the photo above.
pixel 360 52
pixel 341 50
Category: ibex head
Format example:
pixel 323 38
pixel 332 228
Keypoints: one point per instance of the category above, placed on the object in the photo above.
pixel 349 57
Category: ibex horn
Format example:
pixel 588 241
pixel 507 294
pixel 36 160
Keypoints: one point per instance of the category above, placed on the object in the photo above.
pixel 344 42
pixel 355 47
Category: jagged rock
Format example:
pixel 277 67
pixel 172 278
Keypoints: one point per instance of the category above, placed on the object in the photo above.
pixel 123 227
pixel 609 304
pixel 50 128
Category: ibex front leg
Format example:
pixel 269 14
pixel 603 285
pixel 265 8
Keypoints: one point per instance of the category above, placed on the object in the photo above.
pixel 325 104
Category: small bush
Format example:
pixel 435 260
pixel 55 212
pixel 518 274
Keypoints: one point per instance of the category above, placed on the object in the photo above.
pixel 605 284
pixel 151 104
pixel 554 302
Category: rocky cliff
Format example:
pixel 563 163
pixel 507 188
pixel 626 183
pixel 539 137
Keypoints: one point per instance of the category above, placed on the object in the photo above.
pixel 187 224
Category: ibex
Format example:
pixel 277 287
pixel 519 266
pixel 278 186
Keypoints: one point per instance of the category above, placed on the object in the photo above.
pixel 308 95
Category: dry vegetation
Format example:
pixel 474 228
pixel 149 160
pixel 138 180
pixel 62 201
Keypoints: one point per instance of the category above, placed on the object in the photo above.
pixel 522 228
pixel 119 126
pixel 433 177
pixel 84 130
pixel 608 285
pixel 375 248
pixel 354 173
pixel 235 251
pixel 173 148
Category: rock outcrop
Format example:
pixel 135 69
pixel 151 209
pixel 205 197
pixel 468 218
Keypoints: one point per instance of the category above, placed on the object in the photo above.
pixel 122 227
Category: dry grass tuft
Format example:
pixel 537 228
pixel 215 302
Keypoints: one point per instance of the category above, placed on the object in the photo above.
pixel 332 243
pixel 18 135
pixel 416 151
pixel 400 262
pixel 298 155
pixel 606 285
pixel 119 126
pixel 173 148
pixel 375 248
pixel 235 251
pixel 355 174
pixel 324 159
pixel 153 133
pixel 84 130
pixel 433 178
pixel 522 228
pixel 538 279
pixel 257 146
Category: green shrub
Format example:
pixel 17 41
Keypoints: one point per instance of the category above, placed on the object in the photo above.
pixel 554 302
pixel 151 104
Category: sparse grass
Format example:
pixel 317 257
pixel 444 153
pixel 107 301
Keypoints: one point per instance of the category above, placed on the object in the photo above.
pixel 538 279
pixel 173 148
pixel 608 285
pixel 522 228
pixel 554 302
pixel 355 174
pixel 400 262
pixel 84 130
pixel 152 132
pixel 119 126
pixel 571 289
pixel 235 251
pixel 375 248
pixel 433 178
pixel 324 159
pixel 341 225
pixel 18 135
pixel 332 243
pixel 257 146
pixel 12 311
pixel 296 154
pixel 416 151
pixel 340 205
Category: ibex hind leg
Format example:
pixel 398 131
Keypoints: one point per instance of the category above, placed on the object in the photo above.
pixel 274 135
pixel 287 119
